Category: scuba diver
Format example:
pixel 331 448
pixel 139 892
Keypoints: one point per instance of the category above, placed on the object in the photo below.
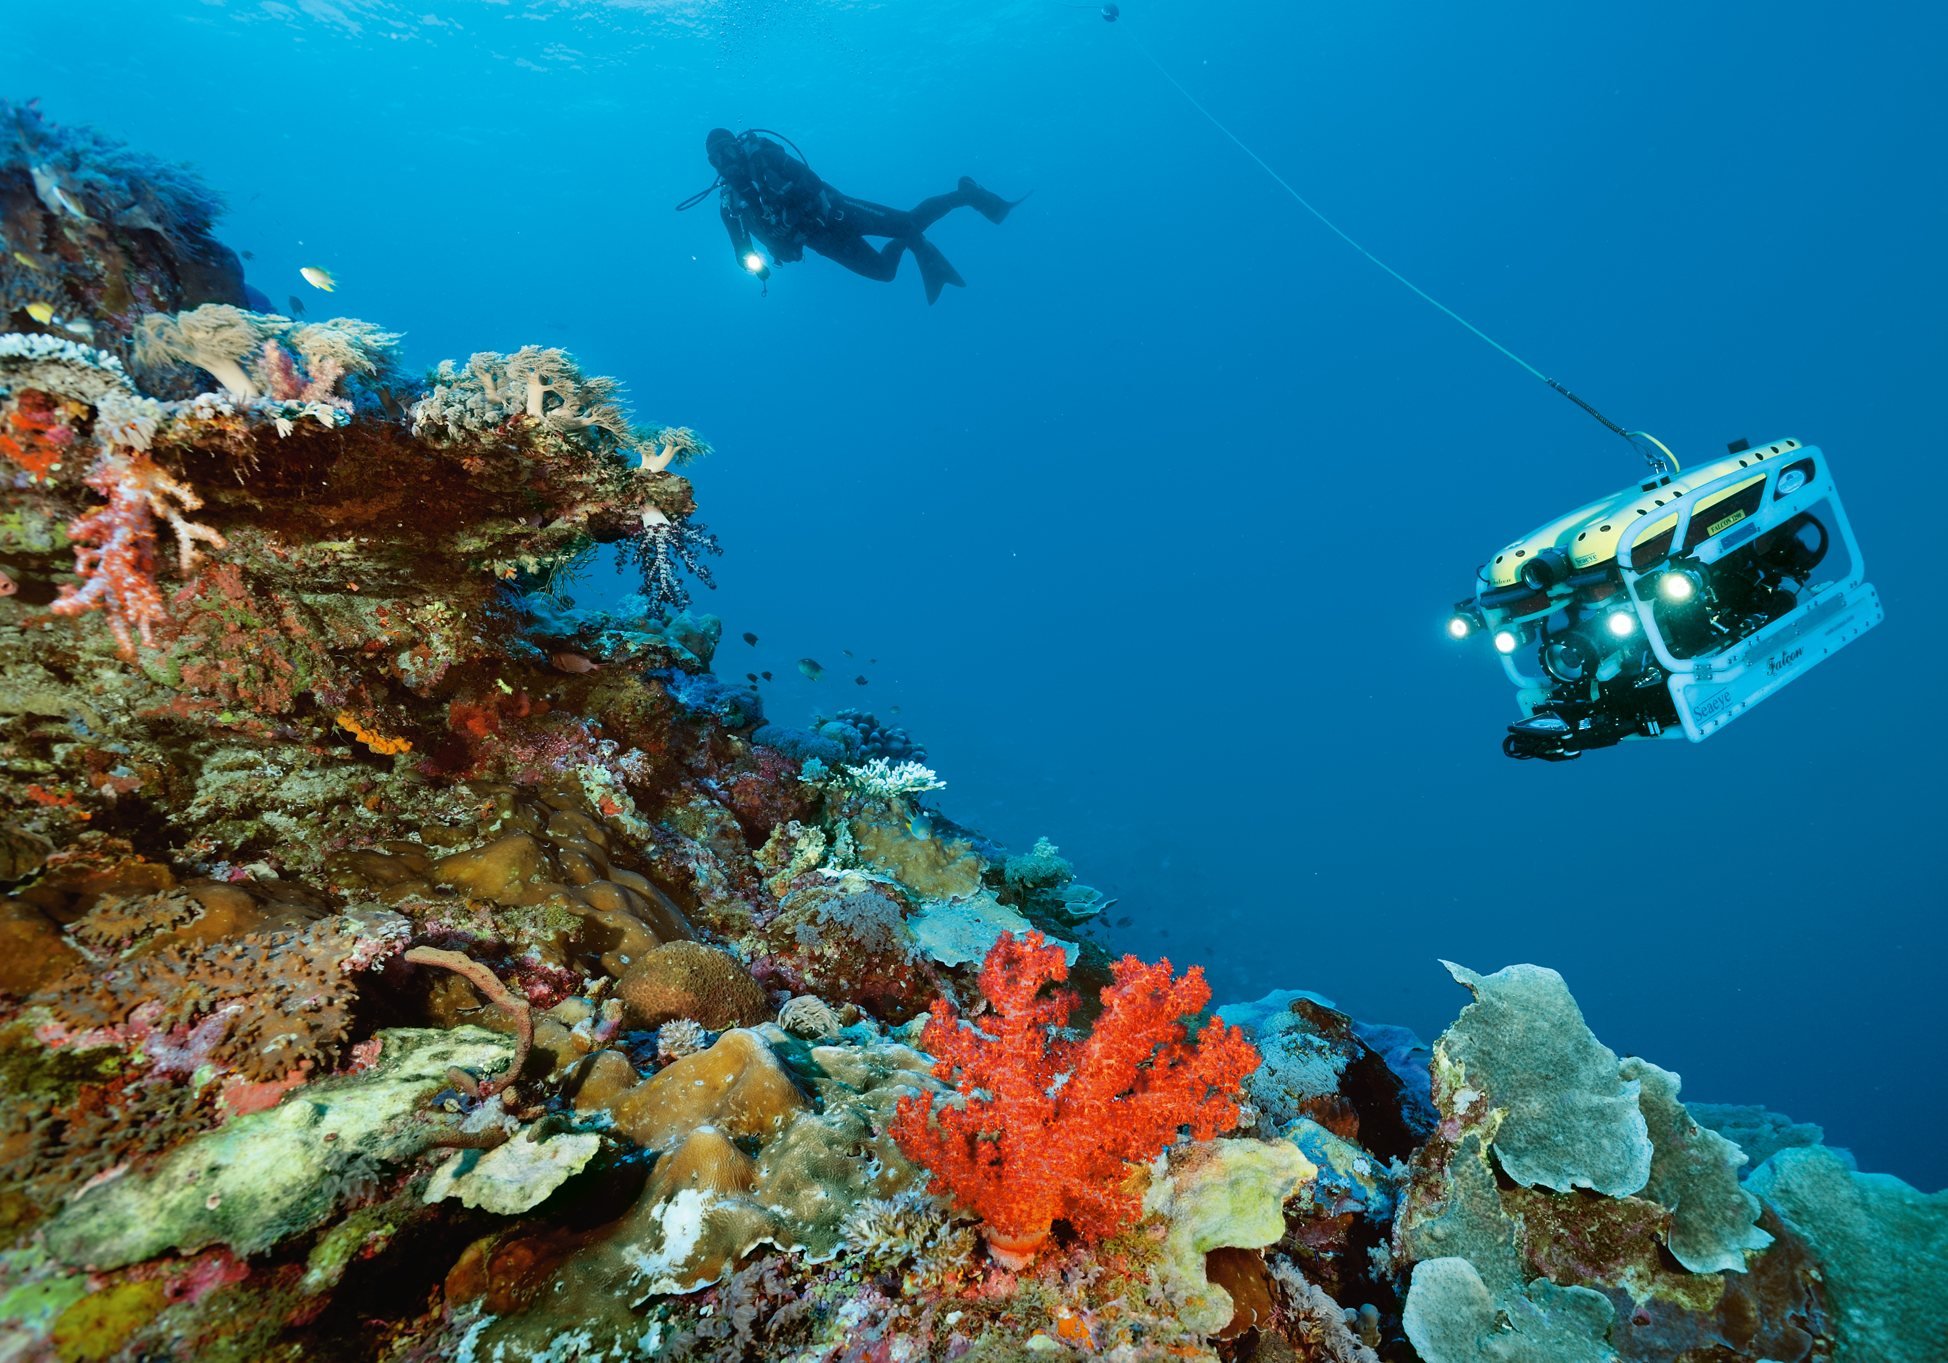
pixel 775 198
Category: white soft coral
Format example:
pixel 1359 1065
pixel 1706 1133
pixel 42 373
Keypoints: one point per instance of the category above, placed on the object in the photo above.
pixel 215 338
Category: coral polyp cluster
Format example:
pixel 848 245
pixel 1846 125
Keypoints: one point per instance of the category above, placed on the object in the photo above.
pixel 399 962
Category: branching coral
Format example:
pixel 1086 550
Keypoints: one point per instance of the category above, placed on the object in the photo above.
pixel 680 1037
pixel 1047 1127
pixel 661 549
pixel 884 779
pixel 115 545
pixel 53 365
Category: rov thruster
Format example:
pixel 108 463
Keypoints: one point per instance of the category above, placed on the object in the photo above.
pixel 1673 607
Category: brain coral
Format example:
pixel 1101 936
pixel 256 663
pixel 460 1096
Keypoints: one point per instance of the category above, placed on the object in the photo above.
pixel 691 980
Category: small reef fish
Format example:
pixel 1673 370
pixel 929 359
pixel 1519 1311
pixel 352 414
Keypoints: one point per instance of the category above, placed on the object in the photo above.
pixel 248 255
pixel 27 260
pixel 573 662
pixel 811 668
pixel 45 314
pixel 846 651
pixel 750 638
pixel 860 681
pixel 765 675
pixel 297 305
pixel 319 279
pixel 751 677
pixel 53 195
pixel 919 825
pixel 7 585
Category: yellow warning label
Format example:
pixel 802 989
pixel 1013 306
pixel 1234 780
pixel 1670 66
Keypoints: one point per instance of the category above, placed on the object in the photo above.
pixel 1730 520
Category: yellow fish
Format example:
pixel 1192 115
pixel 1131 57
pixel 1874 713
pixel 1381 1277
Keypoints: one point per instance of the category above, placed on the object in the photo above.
pixel 319 279
pixel 42 313
pixel 26 260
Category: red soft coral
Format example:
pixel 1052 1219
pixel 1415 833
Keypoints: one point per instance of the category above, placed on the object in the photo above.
pixel 1046 1126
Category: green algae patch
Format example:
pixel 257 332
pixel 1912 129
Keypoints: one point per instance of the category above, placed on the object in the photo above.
pixel 268 1175
pixel 362 1232
pixel 32 1306
pixel 37 1076
pixel 101 1323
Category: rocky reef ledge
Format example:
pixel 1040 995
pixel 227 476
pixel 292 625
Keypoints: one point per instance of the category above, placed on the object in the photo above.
pixel 399 962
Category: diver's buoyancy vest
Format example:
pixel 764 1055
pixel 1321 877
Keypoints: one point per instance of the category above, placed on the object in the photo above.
pixel 779 191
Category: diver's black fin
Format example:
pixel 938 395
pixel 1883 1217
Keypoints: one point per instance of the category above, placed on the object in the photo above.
pixel 935 272
pixel 987 203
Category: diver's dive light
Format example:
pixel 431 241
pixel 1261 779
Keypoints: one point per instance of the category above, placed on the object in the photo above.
pixel 1751 576
pixel 754 262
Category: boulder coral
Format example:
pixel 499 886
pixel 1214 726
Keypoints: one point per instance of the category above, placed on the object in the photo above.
pixel 762 1142
pixel 690 980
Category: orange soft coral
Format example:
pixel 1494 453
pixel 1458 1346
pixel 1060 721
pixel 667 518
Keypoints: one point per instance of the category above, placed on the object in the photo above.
pixel 1046 1127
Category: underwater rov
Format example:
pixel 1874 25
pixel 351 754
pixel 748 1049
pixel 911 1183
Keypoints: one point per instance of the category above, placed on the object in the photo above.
pixel 1670 608
pixel 1673 607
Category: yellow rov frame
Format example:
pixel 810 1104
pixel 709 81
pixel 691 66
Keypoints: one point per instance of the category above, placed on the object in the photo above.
pixel 1674 606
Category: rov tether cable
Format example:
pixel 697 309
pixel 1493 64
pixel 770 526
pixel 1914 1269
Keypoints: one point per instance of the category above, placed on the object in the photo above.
pixel 1661 462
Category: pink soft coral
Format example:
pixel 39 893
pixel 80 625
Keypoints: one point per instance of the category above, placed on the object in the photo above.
pixel 1046 1126
pixel 115 545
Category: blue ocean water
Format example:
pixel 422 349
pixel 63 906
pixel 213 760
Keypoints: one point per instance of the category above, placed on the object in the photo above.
pixel 1152 528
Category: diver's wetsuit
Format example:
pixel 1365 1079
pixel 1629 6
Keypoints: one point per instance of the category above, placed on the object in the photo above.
pixel 774 197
